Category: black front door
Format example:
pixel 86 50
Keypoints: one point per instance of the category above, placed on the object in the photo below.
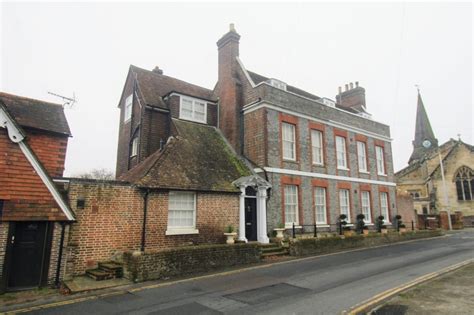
pixel 29 252
pixel 251 219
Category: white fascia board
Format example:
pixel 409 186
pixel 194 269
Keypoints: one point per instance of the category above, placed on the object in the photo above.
pixel 326 176
pixel 16 136
pixel 264 104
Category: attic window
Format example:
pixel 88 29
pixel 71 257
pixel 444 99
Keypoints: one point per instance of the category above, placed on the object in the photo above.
pixel 134 150
pixel 128 108
pixel 193 109
pixel 278 84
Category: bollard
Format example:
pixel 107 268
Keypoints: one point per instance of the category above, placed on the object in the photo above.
pixel 412 225
pixel 294 230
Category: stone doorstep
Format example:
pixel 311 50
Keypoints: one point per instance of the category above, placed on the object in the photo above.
pixel 85 283
pixel 99 275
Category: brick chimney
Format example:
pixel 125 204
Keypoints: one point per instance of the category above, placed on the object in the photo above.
pixel 228 87
pixel 352 97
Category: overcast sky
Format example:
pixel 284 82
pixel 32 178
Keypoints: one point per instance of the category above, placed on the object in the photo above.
pixel 87 48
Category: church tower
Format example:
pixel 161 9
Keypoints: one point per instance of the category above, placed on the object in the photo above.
pixel 423 133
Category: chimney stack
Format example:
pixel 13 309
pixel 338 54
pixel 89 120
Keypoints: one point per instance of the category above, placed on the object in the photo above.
pixel 157 70
pixel 353 97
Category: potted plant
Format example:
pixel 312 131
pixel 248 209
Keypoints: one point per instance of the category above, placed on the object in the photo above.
pixel 398 222
pixel 360 223
pixel 342 223
pixel 380 223
pixel 402 228
pixel 347 231
pixel 230 234
pixel 365 230
pixel 279 231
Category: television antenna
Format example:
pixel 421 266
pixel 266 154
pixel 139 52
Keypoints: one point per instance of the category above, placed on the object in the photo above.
pixel 67 101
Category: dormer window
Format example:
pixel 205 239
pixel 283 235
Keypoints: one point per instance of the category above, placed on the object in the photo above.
pixel 278 84
pixel 128 108
pixel 193 109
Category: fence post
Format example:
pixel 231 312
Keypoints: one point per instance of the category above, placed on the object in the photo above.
pixel 412 225
pixel 294 230
pixel 315 231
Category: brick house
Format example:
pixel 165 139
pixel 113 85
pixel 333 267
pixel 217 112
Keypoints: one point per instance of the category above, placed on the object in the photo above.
pixel 316 158
pixel 422 178
pixel 33 212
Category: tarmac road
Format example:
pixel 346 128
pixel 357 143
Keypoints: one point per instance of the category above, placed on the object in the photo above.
pixel 318 285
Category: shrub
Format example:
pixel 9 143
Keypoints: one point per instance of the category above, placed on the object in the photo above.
pixel 360 222
pixel 229 229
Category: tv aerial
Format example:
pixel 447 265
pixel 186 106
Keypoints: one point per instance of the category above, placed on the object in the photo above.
pixel 67 101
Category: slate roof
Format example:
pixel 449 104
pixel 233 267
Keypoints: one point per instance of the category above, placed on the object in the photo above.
pixel 423 131
pixel 153 86
pixel 197 158
pixel 36 114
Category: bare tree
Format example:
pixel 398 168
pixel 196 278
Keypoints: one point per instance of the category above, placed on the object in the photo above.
pixel 97 173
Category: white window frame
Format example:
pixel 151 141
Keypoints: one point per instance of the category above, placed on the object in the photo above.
pixel 134 151
pixel 344 194
pixel 365 206
pixel 288 140
pixel 294 204
pixel 384 207
pixel 128 108
pixel 180 230
pixel 379 154
pixel 320 204
pixel 362 156
pixel 317 151
pixel 193 101
pixel 339 153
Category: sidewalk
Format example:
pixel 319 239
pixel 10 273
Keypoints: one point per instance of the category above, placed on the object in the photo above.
pixel 448 294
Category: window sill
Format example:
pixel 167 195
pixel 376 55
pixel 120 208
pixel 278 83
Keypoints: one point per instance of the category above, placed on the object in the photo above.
pixel 290 161
pixel 193 120
pixel 384 175
pixel 127 121
pixel 291 226
pixel 182 231
pixel 364 172
pixel 343 168
pixel 318 165
pixel 322 225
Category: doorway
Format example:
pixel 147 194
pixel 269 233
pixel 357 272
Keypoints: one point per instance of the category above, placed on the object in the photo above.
pixel 28 254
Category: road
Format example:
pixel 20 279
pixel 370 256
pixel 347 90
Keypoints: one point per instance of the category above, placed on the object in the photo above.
pixel 318 285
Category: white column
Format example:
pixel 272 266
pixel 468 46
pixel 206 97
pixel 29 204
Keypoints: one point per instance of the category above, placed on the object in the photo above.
pixel 262 215
pixel 242 215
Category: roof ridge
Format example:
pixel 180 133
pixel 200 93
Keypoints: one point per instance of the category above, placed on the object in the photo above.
pixel 164 75
pixel 5 94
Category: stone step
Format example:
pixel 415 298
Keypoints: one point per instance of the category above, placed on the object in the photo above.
pixel 272 249
pixel 282 252
pixel 99 274
pixel 110 266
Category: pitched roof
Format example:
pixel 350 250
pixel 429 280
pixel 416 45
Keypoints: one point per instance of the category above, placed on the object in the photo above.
pixel 36 114
pixel 198 158
pixel 423 131
pixel 153 86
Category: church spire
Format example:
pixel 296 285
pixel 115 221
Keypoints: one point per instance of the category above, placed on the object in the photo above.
pixel 423 132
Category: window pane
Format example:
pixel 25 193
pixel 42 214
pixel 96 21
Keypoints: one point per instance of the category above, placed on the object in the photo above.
pixel 288 137
pixel 341 152
pixel 320 204
pixel 365 197
pixel 317 146
pixel 459 189
pixel 182 209
pixel 361 156
pixel 291 204
pixel 128 107
pixel 384 206
pixel 380 160
pixel 467 191
pixel 344 203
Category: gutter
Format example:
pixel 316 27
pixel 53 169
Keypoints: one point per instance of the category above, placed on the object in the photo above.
pixel 60 254
pixel 145 210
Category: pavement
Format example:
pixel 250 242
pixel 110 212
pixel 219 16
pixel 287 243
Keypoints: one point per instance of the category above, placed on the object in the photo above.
pixel 328 284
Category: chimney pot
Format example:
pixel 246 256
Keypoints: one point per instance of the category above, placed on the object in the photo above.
pixel 351 85
pixel 158 70
pixel 347 87
pixel 340 90
pixel 357 83
pixel 231 27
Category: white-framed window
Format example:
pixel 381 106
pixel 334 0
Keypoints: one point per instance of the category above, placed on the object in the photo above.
pixel 291 205
pixel 380 160
pixel 288 134
pixel 278 84
pixel 134 150
pixel 341 152
pixel 344 204
pixel 365 198
pixel 181 212
pixel 362 156
pixel 193 109
pixel 384 206
pixel 320 205
pixel 127 115
pixel 317 147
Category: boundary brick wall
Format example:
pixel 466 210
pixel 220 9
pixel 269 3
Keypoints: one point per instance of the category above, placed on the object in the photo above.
pixel 187 260
pixel 4 227
pixel 111 221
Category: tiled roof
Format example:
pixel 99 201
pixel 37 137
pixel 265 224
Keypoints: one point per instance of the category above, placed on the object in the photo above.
pixel 36 114
pixel 153 86
pixel 198 158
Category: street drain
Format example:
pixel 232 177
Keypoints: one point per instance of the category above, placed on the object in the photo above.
pixel 267 293
pixel 391 309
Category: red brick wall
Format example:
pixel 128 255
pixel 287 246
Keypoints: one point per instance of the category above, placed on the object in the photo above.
pixel 406 209
pixel 111 222
pixel 26 197
pixel 255 138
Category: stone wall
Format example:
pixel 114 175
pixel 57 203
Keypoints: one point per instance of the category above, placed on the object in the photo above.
pixel 4 226
pixel 111 221
pixel 315 246
pixel 187 260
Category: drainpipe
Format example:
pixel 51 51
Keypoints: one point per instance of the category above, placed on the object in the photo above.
pixel 60 254
pixel 145 209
